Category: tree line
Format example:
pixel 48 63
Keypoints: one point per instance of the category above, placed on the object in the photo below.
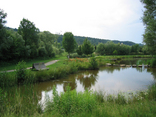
pixel 96 41
pixel 109 48
pixel 149 20
pixel 27 42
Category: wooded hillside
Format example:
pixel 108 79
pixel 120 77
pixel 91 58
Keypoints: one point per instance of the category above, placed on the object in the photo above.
pixel 94 41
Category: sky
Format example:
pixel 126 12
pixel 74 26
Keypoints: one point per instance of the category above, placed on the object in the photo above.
pixel 104 19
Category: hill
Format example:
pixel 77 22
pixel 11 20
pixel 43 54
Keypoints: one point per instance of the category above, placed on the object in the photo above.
pixel 94 41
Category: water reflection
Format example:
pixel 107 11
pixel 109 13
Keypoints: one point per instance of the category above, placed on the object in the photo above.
pixel 108 79
pixel 152 71
pixel 88 78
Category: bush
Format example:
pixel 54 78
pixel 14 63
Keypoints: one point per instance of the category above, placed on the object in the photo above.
pixel 93 62
pixel 153 63
pixel 7 80
pixel 23 75
pixel 21 72
pixel 74 55
pixel 71 102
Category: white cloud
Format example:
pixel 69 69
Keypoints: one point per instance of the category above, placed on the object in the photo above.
pixel 93 18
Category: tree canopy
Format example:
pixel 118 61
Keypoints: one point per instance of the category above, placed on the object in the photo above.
pixel 69 43
pixel 3 41
pixel 29 33
pixel 149 20
pixel 87 48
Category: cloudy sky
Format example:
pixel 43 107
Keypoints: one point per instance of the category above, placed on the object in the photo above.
pixel 105 19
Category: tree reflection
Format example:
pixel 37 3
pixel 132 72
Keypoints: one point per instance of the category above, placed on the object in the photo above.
pixel 88 78
pixel 139 69
pixel 72 85
pixel 152 71
pixel 110 69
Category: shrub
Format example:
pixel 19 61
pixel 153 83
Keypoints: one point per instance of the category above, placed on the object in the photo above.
pixel 21 72
pixel 7 79
pixel 74 55
pixel 23 75
pixel 71 102
pixel 93 62
pixel 153 63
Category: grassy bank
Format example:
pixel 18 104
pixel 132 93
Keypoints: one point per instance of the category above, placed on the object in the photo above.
pixel 58 70
pixel 11 66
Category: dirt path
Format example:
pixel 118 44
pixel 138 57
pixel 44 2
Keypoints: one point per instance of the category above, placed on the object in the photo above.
pixel 46 64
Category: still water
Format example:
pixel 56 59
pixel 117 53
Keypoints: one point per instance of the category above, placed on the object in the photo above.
pixel 107 79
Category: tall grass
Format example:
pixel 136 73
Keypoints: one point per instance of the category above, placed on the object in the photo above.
pixel 19 102
pixel 7 79
pixel 71 102
pixel 88 103
pixel 24 102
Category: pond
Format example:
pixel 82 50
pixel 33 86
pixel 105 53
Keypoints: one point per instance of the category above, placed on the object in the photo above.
pixel 108 79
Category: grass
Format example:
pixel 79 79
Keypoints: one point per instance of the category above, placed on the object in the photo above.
pixel 24 102
pixel 30 62
pixel 57 70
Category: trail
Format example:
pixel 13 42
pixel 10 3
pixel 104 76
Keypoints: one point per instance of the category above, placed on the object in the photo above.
pixel 46 64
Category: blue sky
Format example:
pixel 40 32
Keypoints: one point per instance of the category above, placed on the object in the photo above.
pixel 105 19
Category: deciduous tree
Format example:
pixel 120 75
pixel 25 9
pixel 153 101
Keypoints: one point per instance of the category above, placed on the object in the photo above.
pixel 3 39
pixel 87 48
pixel 101 49
pixel 149 20
pixel 79 51
pixel 69 43
pixel 29 33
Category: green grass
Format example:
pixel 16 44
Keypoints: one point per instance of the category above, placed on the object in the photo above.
pixel 57 70
pixel 59 63
pixel 24 102
pixel 64 57
pixel 30 62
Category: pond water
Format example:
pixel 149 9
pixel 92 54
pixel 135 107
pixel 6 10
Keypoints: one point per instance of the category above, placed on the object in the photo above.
pixel 108 79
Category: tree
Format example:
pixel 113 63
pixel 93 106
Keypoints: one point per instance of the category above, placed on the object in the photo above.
pixel 100 49
pixel 110 47
pixel 79 51
pixel 135 48
pixel 46 40
pixel 69 43
pixel 17 50
pixel 149 20
pixel 115 52
pixel 3 39
pixel 29 33
pixel 87 48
